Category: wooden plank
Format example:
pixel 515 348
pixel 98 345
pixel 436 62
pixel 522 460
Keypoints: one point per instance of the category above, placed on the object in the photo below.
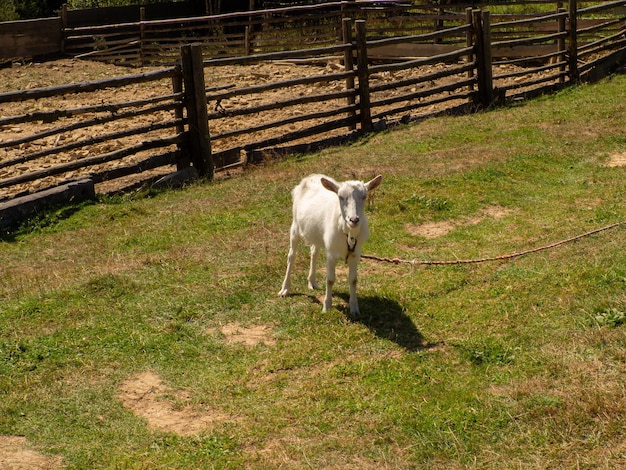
pixel 177 179
pixel 283 122
pixel 363 76
pixel 82 87
pixel 467 95
pixel 600 68
pixel 88 123
pixel 98 16
pixel 227 158
pixel 284 104
pixel 310 80
pixel 447 72
pixel 52 116
pixel 536 81
pixel 90 161
pixel 258 155
pixel 418 95
pixel 409 51
pixel 93 140
pixel 30 38
pixel 21 208
pixel 536 50
pixel 454 56
pixel 119 171
pixel 300 134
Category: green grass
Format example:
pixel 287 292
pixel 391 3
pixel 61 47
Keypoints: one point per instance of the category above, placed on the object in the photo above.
pixel 516 364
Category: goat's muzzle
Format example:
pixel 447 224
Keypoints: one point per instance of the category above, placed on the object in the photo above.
pixel 353 221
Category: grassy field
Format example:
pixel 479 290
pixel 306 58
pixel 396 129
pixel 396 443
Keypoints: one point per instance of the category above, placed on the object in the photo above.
pixel 145 332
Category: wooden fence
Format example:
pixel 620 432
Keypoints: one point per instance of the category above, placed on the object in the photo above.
pixel 64 144
pixel 154 42
pixel 30 38
pixel 182 117
pixel 146 36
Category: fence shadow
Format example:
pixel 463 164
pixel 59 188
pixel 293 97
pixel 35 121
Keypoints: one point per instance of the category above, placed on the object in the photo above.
pixel 386 319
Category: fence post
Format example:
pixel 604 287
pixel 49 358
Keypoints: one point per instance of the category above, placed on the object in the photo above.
pixel 63 15
pixel 348 63
pixel 561 45
pixel 249 30
pixel 482 31
pixel 469 42
pixel 197 114
pixel 183 158
pixel 142 34
pixel 574 74
pixel 363 74
pixel 247 47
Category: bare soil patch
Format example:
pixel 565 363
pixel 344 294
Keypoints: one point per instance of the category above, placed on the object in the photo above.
pixel 248 335
pixel 431 229
pixel 616 160
pixel 16 454
pixel 438 229
pixel 164 408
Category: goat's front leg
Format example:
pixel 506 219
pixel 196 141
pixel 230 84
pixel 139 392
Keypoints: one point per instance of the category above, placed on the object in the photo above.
pixel 353 263
pixel 330 281
pixel 293 241
pixel 315 251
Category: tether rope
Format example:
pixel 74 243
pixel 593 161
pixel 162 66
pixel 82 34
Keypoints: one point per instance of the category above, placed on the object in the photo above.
pixel 416 262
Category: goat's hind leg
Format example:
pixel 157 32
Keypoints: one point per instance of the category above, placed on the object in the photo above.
pixel 315 251
pixel 293 242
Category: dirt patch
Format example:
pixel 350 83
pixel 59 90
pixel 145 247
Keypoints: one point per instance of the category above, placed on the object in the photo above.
pixel 164 408
pixel 438 229
pixel 616 160
pixel 430 229
pixel 248 335
pixel 15 454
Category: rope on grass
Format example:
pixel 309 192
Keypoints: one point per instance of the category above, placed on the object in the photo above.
pixel 416 262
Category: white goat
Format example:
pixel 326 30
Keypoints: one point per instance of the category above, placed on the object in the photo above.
pixel 330 215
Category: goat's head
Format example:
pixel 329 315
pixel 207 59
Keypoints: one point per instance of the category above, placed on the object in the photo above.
pixel 352 196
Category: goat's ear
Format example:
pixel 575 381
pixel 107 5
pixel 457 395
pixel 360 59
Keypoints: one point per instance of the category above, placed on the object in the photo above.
pixel 328 184
pixel 373 184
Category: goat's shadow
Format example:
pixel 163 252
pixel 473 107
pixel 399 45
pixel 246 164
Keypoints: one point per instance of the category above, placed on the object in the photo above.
pixel 387 320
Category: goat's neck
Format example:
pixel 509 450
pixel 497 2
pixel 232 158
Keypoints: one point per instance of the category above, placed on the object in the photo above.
pixel 351 234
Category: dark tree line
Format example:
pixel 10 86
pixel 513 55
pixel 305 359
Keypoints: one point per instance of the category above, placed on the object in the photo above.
pixel 26 9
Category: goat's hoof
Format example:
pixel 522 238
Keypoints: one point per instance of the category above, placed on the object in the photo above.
pixel 283 293
pixel 313 286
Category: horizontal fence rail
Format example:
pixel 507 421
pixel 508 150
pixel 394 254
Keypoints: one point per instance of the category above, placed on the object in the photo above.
pixel 367 75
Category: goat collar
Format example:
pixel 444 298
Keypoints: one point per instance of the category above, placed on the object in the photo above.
pixel 350 239
pixel 351 244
